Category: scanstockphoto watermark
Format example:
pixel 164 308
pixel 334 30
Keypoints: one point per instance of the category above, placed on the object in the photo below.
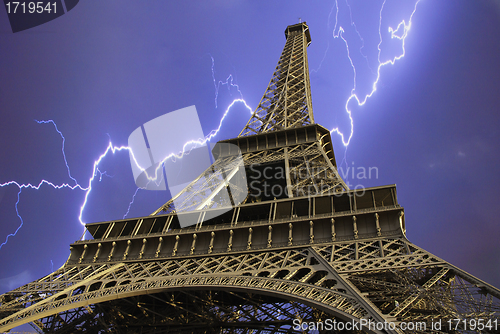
pixel 354 172
pixel 449 325
pixel 308 180
pixel 362 324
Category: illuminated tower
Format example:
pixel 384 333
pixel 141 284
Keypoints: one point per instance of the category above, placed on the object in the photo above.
pixel 311 251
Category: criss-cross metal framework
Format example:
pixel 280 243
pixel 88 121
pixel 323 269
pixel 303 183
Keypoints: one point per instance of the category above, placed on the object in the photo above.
pixel 316 254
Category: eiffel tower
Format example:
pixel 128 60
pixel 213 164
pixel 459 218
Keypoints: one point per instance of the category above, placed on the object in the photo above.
pixel 301 251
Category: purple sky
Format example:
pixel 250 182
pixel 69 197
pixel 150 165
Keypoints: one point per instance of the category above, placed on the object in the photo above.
pixel 107 67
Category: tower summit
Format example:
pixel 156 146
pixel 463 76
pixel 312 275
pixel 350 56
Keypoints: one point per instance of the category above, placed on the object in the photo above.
pixel 287 100
pixel 311 252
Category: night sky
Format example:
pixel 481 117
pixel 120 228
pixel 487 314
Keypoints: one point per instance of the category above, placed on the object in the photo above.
pixel 107 67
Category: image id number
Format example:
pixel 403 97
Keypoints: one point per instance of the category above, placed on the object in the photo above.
pixel 30 7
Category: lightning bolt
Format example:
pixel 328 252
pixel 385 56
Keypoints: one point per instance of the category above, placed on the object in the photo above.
pixel 130 204
pixel 189 145
pixel 36 187
pixel 109 149
pixel 192 144
pixel 62 148
pixel 228 83
pixel 400 33
pixel 98 174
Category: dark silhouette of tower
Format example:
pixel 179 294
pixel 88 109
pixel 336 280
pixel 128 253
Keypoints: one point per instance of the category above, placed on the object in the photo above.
pixel 301 248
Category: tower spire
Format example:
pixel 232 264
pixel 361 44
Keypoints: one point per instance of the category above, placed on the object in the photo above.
pixel 287 100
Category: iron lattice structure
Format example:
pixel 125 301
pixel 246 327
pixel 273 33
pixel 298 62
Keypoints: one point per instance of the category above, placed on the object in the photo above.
pixel 317 252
